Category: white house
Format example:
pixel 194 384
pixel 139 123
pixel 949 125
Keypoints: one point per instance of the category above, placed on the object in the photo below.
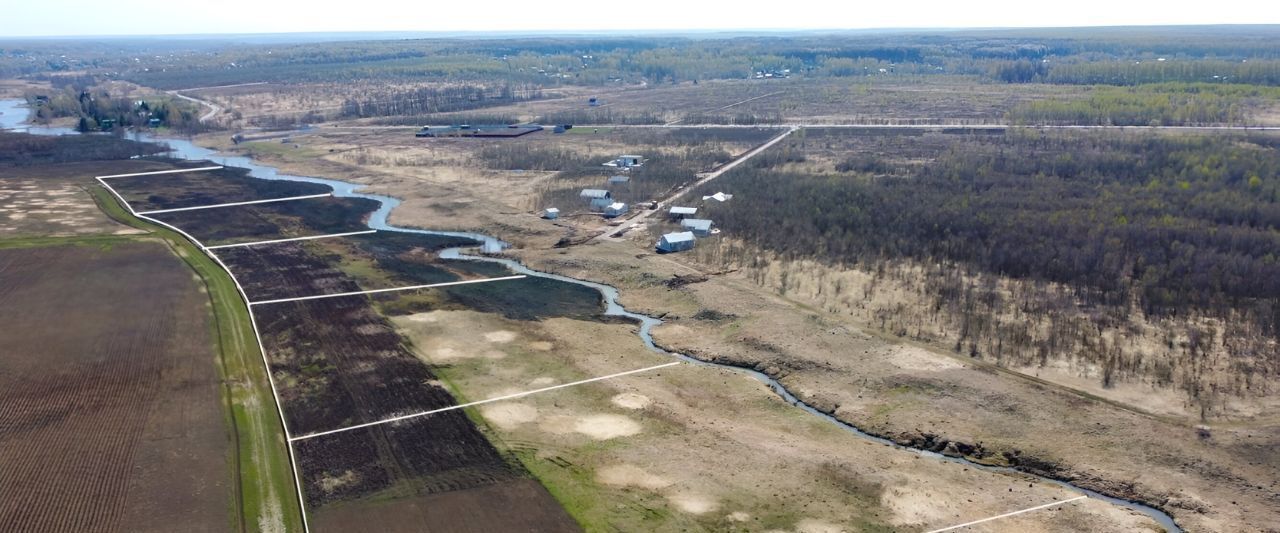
pixel 681 212
pixel 615 209
pixel 551 213
pixel 598 198
pixel 626 161
pixel 676 242
pixel 698 226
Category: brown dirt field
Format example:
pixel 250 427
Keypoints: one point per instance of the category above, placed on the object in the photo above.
pixel 113 417
pixel 525 506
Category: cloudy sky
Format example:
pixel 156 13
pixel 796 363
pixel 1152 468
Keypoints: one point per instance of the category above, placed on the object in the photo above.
pixel 151 17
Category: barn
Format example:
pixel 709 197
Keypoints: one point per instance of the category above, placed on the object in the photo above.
pixel 678 213
pixel 698 226
pixel 676 242
pixel 598 198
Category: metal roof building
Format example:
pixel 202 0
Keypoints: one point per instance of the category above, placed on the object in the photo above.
pixel 598 198
pixel 615 209
pixel 681 212
pixel 551 213
pixel 676 242
pixel 618 179
pixel 699 226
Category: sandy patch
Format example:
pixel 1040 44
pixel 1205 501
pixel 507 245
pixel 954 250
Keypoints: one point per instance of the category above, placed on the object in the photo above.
pixel 604 427
pixel 738 516
pixel 541 346
pixel 423 317
pixel 449 354
pixel 914 505
pixel 558 424
pixel 920 359
pixel 543 381
pixel 631 400
pixel 509 415
pixel 693 503
pixel 628 475
pixel 500 336
pixel 810 525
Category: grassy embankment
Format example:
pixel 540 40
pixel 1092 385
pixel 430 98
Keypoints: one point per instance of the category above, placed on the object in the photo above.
pixel 266 496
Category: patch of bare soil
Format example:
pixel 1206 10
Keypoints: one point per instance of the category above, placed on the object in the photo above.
pixel 113 416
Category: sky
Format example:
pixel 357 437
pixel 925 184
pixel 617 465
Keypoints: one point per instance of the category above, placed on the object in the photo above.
pixel 24 18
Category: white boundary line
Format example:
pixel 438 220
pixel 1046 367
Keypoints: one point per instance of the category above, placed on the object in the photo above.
pixel 275 394
pixel 409 288
pixel 290 240
pixel 232 204
pixel 1027 510
pixel 178 171
pixel 480 402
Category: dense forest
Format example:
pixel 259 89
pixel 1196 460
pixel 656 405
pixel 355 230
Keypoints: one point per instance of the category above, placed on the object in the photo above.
pixel 1157 225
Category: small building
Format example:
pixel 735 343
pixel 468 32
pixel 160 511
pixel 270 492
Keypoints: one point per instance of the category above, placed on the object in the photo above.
pixel 618 180
pixel 626 161
pixel 678 213
pixel 597 198
pixel 593 101
pixel 154 123
pixel 676 242
pixel 615 209
pixel 698 226
pixel 551 213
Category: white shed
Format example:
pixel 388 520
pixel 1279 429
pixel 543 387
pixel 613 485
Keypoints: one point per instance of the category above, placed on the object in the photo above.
pixel 615 209
pixel 676 242
pixel 626 161
pixel 551 213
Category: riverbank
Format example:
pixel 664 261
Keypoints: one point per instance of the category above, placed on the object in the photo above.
pixel 379 218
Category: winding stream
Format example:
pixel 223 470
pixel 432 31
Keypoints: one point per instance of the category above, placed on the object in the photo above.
pixel 13 115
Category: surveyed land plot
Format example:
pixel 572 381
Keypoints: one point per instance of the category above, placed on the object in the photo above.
pixel 216 185
pixel 269 221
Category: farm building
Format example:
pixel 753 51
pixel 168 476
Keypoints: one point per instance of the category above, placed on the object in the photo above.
pixel 618 180
pixel 678 213
pixel 467 130
pixel 626 161
pixel 676 242
pixel 699 226
pixel 551 213
pixel 598 198
pixel 615 209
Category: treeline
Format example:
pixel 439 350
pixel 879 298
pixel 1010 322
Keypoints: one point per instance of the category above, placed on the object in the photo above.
pixel 1165 104
pixel 1164 227
pixel 1177 222
pixel 21 149
pixel 426 100
pixel 1082 56
pixel 98 110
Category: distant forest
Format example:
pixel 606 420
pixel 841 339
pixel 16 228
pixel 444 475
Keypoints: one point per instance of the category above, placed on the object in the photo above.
pixel 1111 56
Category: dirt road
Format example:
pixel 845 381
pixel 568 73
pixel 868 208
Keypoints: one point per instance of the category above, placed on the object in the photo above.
pixel 640 216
